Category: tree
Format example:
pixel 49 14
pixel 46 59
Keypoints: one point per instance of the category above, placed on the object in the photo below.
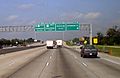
pixel 13 42
pixel 104 41
pixel 100 37
pixel 113 35
pixel 30 40
pixel 75 40
pixel 111 32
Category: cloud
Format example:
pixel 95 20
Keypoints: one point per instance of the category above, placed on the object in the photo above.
pixel 92 15
pixel 12 17
pixel 117 22
pixel 26 6
pixel 32 22
pixel 79 15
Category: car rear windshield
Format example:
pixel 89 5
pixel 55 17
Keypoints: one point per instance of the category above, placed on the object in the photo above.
pixel 89 47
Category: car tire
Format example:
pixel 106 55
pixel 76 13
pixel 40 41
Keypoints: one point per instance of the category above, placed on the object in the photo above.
pixel 95 56
pixel 83 56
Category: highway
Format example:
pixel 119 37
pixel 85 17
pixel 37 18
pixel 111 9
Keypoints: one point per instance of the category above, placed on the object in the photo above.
pixel 67 63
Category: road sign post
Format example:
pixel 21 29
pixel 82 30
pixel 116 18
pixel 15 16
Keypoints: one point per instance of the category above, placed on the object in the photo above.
pixel 90 30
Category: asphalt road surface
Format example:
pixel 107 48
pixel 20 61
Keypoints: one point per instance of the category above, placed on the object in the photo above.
pixel 11 50
pixel 67 63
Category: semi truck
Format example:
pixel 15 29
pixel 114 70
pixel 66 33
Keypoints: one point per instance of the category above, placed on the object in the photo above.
pixel 49 44
pixel 59 43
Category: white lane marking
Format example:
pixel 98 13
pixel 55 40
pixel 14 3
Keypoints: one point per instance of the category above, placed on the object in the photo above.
pixel 77 60
pixel 53 53
pixel 84 64
pixel 26 57
pixel 50 57
pixel 81 63
pixel 111 61
pixel 11 63
pixel 47 64
pixel 75 57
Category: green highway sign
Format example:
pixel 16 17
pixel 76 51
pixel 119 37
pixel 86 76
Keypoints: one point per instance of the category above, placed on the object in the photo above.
pixel 60 27
pixel 49 27
pixel 73 26
pixel 39 27
pixel 56 27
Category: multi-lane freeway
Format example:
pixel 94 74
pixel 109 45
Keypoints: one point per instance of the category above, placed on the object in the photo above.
pixel 67 63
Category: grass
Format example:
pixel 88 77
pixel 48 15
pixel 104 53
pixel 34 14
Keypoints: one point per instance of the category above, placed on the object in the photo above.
pixel 114 51
pixel 68 43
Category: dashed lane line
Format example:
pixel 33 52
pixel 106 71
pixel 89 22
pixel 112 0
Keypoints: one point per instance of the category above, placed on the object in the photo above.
pixel 47 64
pixel 50 57
pixel 11 63
pixel 77 60
pixel 85 64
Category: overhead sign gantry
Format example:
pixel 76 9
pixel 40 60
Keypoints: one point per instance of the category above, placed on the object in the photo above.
pixel 44 27
pixel 47 27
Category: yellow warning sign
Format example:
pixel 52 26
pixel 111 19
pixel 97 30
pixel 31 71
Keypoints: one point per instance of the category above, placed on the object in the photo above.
pixel 95 40
pixel 81 39
pixel 85 42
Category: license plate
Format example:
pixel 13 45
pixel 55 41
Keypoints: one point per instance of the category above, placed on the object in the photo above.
pixel 90 53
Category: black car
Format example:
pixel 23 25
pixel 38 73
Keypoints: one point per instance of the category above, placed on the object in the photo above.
pixel 88 50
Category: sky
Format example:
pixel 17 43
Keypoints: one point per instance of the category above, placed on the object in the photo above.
pixel 102 14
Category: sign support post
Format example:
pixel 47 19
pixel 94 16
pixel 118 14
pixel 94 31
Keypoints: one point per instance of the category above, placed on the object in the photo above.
pixel 35 35
pixel 90 29
pixel 63 35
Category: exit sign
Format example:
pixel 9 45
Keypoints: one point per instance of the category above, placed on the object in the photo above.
pixel 73 26
pixel 60 27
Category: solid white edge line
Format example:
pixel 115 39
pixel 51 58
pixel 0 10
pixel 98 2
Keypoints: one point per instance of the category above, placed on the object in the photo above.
pixel 111 61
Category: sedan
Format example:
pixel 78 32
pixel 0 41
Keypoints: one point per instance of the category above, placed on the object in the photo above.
pixel 88 50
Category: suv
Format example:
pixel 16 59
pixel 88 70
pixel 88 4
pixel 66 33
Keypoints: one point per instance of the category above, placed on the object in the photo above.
pixel 88 50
